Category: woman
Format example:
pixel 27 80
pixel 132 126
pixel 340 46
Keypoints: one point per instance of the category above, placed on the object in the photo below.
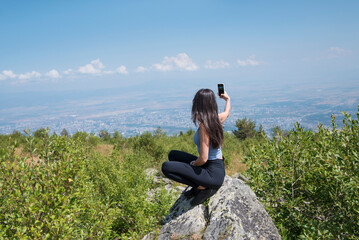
pixel 205 174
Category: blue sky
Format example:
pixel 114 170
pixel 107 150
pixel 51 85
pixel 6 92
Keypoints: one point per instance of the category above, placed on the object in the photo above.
pixel 87 45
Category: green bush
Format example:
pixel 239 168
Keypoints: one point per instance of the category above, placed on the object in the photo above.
pixel 51 198
pixel 121 178
pixel 148 143
pixel 87 139
pixel 64 133
pixel 65 190
pixel 246 128
pixel 233 148
pixel 15 138
pixel 104 135
pixel 309 181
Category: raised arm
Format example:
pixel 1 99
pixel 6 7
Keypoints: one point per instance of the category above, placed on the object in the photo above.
pixel 224 115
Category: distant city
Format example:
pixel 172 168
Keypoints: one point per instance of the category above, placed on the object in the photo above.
pixel 133 121
pixel 138 110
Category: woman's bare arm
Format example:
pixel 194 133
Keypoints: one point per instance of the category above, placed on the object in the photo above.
pixel 204 146
pixel 224 115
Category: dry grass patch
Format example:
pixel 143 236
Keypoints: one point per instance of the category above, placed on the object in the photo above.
pixel 104 149
pixel 20 153
pixel 237 165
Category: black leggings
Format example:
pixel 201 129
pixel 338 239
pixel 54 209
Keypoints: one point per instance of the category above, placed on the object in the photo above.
pixel 178 168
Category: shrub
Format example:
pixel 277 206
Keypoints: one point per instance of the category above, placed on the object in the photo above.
pixel 121 178
pixel 64 133
pixel 246 128
pixel 148 143
pixel 51 198
pixel 308 181
pixel 82 136
pixel 278 132
pixel 85 138
pixel 66 191
pixel 104 135
pixel 41 133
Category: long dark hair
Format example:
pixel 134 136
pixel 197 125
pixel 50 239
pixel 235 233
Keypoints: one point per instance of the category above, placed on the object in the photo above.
pixel 205 111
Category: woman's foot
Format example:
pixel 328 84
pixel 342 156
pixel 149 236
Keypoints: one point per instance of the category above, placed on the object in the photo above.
pixel 202 195
pixel 191 192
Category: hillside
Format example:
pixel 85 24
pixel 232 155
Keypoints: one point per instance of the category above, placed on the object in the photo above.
pixel 84 186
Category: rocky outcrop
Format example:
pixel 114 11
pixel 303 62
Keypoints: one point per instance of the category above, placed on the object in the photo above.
pixel 235 213
pixel 183 220
pixel 232 213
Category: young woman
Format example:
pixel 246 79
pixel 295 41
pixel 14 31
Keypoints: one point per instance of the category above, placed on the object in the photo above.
pixel 205 174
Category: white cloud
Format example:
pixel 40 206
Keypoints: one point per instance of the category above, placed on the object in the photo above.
pixel 94 67
pixel 166 65
pixel 8 74
pixel 67 72
pixel 248 62
pixel 97 63
pixel 182 61
pixel 216 65
pixel 88 68
pixel 338 50
pixel 53 74
pixel 141 69
pixel 334 52
pixel 28 75
pixel 121 70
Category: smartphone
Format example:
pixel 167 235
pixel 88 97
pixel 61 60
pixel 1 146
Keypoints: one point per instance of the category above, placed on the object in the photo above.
pixel 220 89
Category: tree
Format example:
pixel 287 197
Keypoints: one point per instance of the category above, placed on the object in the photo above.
pixel 104 135
pixel 17 136
pixel 64 133
pixel 116 135
pixel 278 132
pixel 261 131
pixel 246 128
pixel 41 133
pixel 190 132
pixel 159 132
pixel 83 136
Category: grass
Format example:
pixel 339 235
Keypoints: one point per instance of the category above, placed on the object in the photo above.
pixel 237 165
pixel 104 149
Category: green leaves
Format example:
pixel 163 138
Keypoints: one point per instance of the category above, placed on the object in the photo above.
pixel 246 128
pixel 62 187
pixel 309 181
pixel 37 199
pixel 66 190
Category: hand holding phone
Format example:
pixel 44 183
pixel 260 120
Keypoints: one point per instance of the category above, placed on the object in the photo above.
pixel 222 94
pixel 220 89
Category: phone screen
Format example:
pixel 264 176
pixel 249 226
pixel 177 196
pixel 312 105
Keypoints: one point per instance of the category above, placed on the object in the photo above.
pixel 220 89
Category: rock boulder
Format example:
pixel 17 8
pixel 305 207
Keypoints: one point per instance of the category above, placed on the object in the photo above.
pixel 232 213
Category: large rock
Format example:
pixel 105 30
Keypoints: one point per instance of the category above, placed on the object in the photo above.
pixel 183 220
pixel 235 213
pixel 232 213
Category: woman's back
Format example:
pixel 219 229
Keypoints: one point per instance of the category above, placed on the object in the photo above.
pixel 213 153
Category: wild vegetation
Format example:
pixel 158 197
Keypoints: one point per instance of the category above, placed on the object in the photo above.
pixel 309 181
pixel 91 187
